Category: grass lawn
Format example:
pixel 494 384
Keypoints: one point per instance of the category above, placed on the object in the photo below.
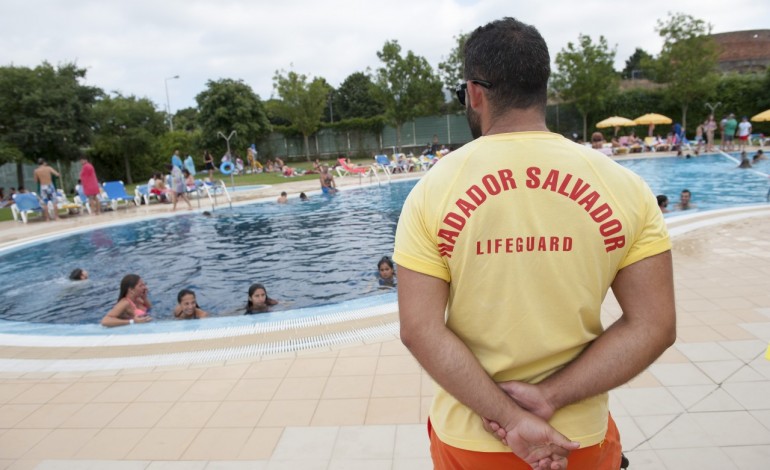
pixel 241 180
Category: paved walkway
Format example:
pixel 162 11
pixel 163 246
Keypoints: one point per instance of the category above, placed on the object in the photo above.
pixel 363 405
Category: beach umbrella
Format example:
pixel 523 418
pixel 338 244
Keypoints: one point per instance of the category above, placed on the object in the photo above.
pixel 615 121
pixel 762 117
pixel 652 118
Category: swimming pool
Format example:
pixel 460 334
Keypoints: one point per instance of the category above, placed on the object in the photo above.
pixel 309 254
pixel 714 180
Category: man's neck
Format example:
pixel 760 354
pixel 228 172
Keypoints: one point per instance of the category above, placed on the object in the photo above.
pixel 517 120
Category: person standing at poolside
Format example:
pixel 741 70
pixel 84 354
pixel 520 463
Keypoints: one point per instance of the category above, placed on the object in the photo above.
pixel 744 131
pixel 208 163
pixel 90 185
pixel 44 177
pixel 710 127
pixel 176 160
pixel 731 125
pixel 506 250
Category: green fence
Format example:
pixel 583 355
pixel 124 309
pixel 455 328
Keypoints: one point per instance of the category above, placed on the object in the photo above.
pixel 452 130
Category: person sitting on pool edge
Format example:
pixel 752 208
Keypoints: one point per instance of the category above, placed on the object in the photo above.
pixel 328 186
pixel 132 305
pixel 78 274
pixel 685 201
pixel 258 301
pixel 187 307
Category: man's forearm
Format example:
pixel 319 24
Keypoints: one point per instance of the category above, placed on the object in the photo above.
pixel 646 329
pixel 452 365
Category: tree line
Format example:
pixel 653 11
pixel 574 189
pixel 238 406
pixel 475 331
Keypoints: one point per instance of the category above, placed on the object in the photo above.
pixel 48 112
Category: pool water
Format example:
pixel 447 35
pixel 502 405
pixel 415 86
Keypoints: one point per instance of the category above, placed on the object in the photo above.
pixel 307 254
pixel 714 180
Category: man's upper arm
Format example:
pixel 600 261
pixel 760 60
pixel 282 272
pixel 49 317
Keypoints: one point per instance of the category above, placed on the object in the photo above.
pixel 645 292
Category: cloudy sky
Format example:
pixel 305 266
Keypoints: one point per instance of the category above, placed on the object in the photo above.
pixel 134 46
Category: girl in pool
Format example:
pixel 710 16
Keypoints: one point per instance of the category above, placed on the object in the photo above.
pixel 387 275
pixel 132 305
pixel 78 274
pixel 187 308
pixel 258 301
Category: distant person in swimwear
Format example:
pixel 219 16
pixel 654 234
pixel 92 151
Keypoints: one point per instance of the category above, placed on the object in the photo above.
pixel 685 201
pixel 745 162
pixel 387 274
pixel 44 177
pixel 662 202
pixel 258 301
pixel 283 198
pixel 303 196
pixel 187 307
pixel 760 155
pixel 132 305
pixel 328 186
pixel 78 274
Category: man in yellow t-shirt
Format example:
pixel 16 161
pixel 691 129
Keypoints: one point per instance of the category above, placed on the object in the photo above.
pixel 506 250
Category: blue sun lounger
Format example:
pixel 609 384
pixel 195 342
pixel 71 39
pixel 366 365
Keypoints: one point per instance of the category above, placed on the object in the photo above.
pixel 24 204
pixel 116 192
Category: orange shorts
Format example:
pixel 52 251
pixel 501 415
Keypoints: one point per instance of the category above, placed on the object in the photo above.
pixel 602 456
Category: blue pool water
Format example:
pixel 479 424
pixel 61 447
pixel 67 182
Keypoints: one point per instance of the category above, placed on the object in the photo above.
pixel 308 254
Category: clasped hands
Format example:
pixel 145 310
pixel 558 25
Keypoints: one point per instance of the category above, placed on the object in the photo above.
pixel 528 434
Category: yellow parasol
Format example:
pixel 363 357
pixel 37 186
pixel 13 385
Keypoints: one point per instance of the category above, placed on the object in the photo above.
pixel 652 118
pixel 615 121
pixel 762 117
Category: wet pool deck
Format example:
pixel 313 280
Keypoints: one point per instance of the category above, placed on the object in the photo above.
pixel 363 404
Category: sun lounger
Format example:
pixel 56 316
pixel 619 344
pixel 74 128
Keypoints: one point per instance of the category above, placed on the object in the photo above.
pixel 25 204
pixel 116 193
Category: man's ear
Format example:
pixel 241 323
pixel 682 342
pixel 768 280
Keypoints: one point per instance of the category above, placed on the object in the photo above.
pixel 474 95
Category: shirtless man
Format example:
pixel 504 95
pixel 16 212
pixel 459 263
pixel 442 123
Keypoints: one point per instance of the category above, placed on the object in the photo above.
pixel 44 177
pixel 685 201
pixel 328 186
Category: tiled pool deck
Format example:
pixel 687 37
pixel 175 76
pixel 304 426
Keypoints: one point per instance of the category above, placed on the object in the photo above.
pixel 705 404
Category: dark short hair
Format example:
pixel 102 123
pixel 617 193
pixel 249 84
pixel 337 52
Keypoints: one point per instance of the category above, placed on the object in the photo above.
pixel 75 274
pixel 514 58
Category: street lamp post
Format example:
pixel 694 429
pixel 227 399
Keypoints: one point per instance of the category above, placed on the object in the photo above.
pixel 168 103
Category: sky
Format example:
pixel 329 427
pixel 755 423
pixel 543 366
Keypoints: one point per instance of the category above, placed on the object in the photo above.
pixel 137 46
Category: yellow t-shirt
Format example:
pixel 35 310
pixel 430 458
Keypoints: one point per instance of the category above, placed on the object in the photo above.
pixel 529 230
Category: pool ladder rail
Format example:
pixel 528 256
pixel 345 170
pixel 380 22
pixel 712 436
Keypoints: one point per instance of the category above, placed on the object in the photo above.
pixel 212 191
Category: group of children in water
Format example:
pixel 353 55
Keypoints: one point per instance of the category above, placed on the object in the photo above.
pixel 133 304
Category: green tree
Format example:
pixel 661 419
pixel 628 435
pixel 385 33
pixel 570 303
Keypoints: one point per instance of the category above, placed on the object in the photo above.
pixel 355 98
pixel 637 64
pixel 585 76
pixel 126 131
pixel 451 69
pixel 230 105
pixel 186 120
pixel 407 86
pixel 44 112
pixel 302 102
pixel 687 61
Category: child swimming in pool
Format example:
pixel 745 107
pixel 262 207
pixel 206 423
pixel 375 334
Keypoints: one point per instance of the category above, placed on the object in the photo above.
pixel 387 274
pixel 258 301
pixel 187 308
